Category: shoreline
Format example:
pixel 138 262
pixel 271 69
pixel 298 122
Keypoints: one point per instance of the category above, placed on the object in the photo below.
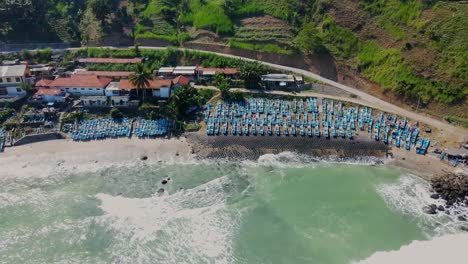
pixel 62 156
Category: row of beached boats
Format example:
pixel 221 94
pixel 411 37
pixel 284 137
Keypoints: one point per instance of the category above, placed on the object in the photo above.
pixel 151 128
pixel 102 128
pixel 307 117
pixel 110 128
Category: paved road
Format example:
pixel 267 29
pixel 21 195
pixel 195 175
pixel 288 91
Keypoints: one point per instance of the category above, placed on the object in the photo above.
pixel 447 130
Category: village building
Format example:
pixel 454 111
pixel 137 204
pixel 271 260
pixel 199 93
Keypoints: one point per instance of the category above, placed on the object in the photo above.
pixel 47 95
pixel 41 70
pixel 93 101
pixel 165 72
pixel 81 85
pixel 120 101
pixel 186 71
pixel 207 74
pixel 156 88
pixel 180 81
pixel 113 89
pixel 11 78
pixel 281 82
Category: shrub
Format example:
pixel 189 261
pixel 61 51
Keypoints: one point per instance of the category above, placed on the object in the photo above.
pixel 116 114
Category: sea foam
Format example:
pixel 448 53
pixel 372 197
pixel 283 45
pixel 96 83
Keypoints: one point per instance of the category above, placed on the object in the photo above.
pixel 187 225
pixel 410 194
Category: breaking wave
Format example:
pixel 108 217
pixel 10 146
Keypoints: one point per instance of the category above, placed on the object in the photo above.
pixel 410 194
pixel 190 225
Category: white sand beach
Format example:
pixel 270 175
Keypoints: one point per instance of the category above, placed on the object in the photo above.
pixel 61 156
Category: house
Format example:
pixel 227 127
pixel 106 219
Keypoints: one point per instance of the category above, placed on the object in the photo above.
pixel 186 71
pixel 41 70
pixel 158 88
pixel 47 95
pixel 281 81
pixel 180 81
pixel 113 89
pixel 207 74
pixel 11 78
pixel 94 101
pixel 13 75
pixel 110 60
pixel 120 101
pixel 166 72
pixel 82 85
pixel 114 75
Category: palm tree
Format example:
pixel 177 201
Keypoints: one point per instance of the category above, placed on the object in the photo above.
pixel 141 78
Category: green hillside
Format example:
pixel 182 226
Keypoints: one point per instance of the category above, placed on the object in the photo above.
pixel 415 49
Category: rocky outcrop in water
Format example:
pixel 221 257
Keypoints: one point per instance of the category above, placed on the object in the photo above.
pixel 452 188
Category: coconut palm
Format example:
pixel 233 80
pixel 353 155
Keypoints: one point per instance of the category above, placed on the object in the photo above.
pixel 141 79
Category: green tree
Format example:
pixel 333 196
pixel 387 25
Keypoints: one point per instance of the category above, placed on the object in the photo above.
pixel 251 73
pixel 101 8
pixel 309 41
pixel 225 90
pixel 115 113
pixel 181 101
pixel 141 79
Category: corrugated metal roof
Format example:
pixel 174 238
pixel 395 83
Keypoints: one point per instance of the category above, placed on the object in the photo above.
pixel 12 71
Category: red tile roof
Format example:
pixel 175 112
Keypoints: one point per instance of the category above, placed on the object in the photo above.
pixel 154 84
pixel 46 91
pixel 111 60
pixel 106 73
pixel 181 80
pixel 227 71
pixel 43 83
pixel 85 81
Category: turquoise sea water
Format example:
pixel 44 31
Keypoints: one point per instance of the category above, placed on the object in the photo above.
pixel 270 211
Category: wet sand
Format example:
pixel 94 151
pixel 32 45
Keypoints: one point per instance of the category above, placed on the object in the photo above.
pixel 252 147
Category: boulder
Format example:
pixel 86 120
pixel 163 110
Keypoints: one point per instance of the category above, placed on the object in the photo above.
pixel 461 218
pixel 435 196
pixel 144 157
pixel 429 210
pixel 440 208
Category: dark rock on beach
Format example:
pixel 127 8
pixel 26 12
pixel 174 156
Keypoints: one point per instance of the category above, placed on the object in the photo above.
pixel 452 188
pixel 435 196
pixel 440 208
pixel 461 218
pixel 430 210
pixel 144 157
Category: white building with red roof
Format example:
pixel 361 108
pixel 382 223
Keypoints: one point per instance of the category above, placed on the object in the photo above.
pixel 48 95
pixel 82 85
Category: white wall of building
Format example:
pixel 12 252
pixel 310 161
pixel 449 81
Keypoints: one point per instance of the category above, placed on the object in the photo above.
pixel 79 91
